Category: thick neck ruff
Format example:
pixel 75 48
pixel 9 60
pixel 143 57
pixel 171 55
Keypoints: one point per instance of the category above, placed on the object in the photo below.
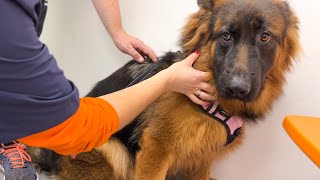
pixel 232 124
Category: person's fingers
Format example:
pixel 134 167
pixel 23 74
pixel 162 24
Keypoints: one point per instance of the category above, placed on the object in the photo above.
pixel 204 76
pixel 192 57
pixel 134 53
pixel 147 50
pixel 206 87
pixel 197 100
pixel 205 96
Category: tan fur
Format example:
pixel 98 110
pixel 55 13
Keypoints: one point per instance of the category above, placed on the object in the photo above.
pixel 117 155
pixel 181 139
pixel 242 63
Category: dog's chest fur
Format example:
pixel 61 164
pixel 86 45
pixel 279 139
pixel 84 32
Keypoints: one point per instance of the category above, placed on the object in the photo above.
pixel 184 131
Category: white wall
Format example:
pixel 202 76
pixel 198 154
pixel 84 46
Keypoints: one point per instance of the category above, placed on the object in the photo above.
pixel 85 52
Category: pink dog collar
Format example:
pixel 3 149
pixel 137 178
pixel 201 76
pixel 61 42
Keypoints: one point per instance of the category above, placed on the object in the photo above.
pixel 232 124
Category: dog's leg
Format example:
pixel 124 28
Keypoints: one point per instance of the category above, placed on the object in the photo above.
pixel 152 161
pixel 152 164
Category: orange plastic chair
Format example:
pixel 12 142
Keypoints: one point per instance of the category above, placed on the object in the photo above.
pixel 305 132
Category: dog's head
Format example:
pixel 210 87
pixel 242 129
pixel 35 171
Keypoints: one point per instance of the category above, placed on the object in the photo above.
pixel 248 45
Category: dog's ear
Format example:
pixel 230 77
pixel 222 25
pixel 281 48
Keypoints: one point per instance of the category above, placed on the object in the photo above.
pixel 291 41
pixel 206 4
pixel 292 21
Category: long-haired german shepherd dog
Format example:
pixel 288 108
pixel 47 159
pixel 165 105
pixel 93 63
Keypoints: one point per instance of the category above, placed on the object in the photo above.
pixel 248 45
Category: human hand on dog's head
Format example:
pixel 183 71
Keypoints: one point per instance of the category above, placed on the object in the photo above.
pixel 183 78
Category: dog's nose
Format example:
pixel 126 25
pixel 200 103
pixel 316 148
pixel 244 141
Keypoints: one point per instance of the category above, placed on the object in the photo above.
pixel 238 88
pixel 237 91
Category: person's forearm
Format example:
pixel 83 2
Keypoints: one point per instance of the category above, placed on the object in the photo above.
pixel 130 102
pixel 109 12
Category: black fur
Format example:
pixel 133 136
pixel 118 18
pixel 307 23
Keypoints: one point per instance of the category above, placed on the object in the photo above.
pixel 120 80
pixel 49 160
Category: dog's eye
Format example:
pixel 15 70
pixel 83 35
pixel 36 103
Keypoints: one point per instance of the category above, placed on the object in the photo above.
pixel 265 37
pixel 226 36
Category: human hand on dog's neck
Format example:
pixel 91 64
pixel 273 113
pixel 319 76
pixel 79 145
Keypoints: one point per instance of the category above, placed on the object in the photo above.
pixel 180 77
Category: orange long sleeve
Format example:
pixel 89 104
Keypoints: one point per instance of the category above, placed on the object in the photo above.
pixel 91 126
